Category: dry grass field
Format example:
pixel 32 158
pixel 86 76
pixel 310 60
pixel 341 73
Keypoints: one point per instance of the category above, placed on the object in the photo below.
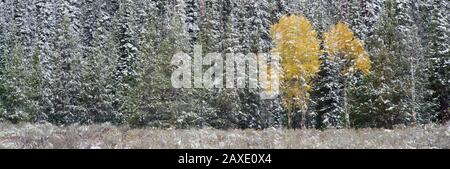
pixel 106 136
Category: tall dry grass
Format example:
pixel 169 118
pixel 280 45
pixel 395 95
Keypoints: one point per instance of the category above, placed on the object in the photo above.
pixel 106 136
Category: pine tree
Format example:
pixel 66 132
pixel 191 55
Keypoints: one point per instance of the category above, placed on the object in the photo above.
pixel 328 102
pixel 424 92
pixel 143 113
pixel 249 107
pixel 34 86
pixel 411 52
pixel 363 15
pixel 371 12
pixel 90 13
pixel 279 8
pixel 263 111
pixel 66 76
pixel 192 21
pixel 321 12
pixel 227 100
pixel 391 72
pixel 438 54
pixel 260 27
pixel 3 35
pixel 127 46
pixel 126 73
pixel 154 102
pixel 142 12
pixel 73 12
pixel 13 99
pixel 343 7
pixel 211 28
pixel 7 13
pixel 231 36
pixel 99 61
pixel 45 29
pixel 183 113
pixel 242 26
pixel 23 22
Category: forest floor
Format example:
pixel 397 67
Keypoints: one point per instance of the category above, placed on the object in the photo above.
pixel 108 136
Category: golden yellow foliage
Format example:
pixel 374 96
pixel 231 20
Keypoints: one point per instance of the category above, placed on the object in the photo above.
pixel 299 48
pixel 341 43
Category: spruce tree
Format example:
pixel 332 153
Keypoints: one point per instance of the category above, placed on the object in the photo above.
pixel 13 98
pixel 327 99
pixel 126 73
pixel 192 22
pixel 391 73
pixel 45 28
pixel 66 77
pixel 437 55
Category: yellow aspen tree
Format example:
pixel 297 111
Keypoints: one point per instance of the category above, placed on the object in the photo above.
pixel 299 48
pixel 342 46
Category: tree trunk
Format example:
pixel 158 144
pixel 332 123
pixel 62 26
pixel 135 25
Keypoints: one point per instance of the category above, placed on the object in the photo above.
pixel 289 115
pixel 413 90
pixel 303 116
pixel 346 113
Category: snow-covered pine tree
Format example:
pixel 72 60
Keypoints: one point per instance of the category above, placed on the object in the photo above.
pixel 324 14
pixel 355 18
pixel 391 71
pixel 279 8
pixel 23 22
pixel 45 28
pixel 438 56
pixel 126 73
pixel 211 28
pixel 227 100
pixel 128 50
pixel 248 99
pixel 343 7
pixel 260 27
pixel 242 26
pixel 141 16
pixel 327 100
pixel 363 15
pixel 360 91
pixel 185 102
pixel 154 101
pixel 109 100
pixel 66 76
pixel 34 86
pixel 334 8
pixel 98 66
pixel 425 100
pixel 261 43
pixel 371 12
pixel 192 22
pixel 13 98
pixel 20 62
pixel 89 12
pixel 145 109
pixel 3 35
pixel 74 13
pixel 231 36
pixel 270 114
pixel 211 38
pixel 320 11
pixel 411 53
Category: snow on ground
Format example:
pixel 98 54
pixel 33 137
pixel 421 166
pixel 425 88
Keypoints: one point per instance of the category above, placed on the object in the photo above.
pixel 109 136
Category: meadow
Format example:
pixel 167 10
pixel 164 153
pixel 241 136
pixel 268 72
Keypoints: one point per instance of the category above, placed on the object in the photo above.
pixel 107 136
